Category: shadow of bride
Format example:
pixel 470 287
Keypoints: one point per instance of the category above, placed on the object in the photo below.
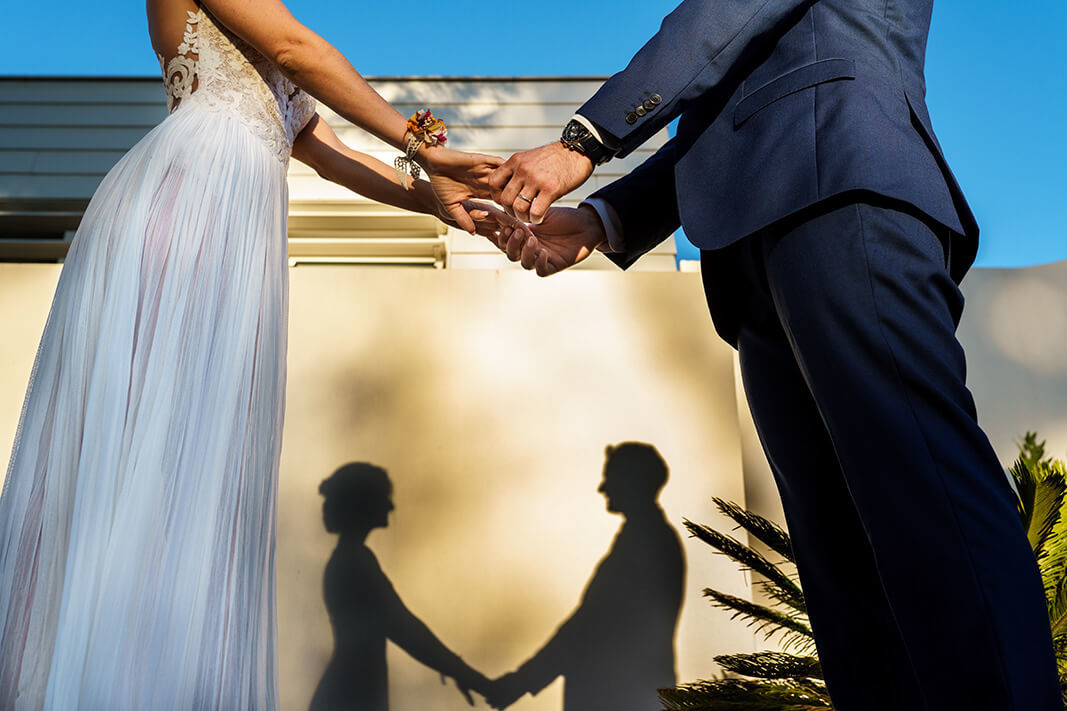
pixel 363 607
pixel 617 648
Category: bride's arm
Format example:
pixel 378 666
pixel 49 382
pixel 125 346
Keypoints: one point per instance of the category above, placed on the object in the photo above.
pixel 320 148
pixel 313 64
pixel 316 66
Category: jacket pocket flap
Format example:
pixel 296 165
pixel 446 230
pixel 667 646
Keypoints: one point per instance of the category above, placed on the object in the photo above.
pixel 800 78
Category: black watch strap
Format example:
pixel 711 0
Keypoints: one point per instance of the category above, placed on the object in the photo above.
pixel 578 138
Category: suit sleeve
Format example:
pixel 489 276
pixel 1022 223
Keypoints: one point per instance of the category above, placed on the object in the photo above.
pixel 568 648
pixel 697 48
pixel 646 204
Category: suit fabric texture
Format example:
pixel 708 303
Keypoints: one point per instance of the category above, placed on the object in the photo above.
pixel 834 235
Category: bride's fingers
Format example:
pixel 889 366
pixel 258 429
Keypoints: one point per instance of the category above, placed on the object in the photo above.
pixel 484 160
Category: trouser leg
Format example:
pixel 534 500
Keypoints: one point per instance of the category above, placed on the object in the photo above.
pixel 863 657
pixel 868 310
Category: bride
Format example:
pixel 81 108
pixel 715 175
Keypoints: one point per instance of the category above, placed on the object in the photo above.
pixel 137 520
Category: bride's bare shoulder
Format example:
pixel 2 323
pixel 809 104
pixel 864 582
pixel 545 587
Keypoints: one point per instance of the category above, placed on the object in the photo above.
pixel 166 23
pixel 267 25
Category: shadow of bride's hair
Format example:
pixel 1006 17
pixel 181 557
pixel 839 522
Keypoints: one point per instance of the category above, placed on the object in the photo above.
pixel 355 492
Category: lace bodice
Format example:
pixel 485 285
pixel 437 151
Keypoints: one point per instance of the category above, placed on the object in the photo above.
pixel 222 72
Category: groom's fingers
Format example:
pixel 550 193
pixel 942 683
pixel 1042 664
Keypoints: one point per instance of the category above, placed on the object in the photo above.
pixel 541 264
pixel 529 253
pixel 500 238
pixel 509 196
pixel 540 206
pixel 499 179
pixel 515 245
pixel 462 218
pixel 523 202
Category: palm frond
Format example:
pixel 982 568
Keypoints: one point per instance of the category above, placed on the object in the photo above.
pixel 1030 450
pixel 784 598
pixel 790 592
pixel 766 531
pixel 1031 453
pixel 1057 611
pixel 1045 487
pixel 771 665
pixel 795 633
pixel 744 695
pixel 1051 551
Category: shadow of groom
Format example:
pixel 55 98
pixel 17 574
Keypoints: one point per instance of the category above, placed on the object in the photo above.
pixel 617 648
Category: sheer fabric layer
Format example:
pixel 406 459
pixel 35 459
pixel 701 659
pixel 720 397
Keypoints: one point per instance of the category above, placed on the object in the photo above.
pixel 137 519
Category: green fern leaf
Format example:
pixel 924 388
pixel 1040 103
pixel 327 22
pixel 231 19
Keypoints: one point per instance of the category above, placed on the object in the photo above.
pixel 796 634
pixel 771 665
pixel 744 695
pixel 767 532
pixel 750 559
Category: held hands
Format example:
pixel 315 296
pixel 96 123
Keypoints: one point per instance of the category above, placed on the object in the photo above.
pixel 499 694
pixel 488 219
pixel 525 186
pixel 505 691
pixel 456 177
pixel 565 237
pixel 528 183
pixel 471 681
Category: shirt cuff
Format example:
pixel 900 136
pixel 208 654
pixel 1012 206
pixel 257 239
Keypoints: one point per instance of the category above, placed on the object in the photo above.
pixel 610 219
pixel 605 140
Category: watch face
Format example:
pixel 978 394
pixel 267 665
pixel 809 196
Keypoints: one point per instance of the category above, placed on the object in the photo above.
pixel 574 132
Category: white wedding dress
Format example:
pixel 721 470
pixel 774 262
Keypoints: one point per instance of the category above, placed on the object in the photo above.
pixel 137 520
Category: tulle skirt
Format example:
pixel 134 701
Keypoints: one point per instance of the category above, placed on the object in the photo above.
pixel 137 520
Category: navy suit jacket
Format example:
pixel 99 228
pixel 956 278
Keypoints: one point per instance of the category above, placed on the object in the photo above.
pixel 783 104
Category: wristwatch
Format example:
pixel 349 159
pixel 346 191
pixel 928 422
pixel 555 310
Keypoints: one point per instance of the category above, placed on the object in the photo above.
pixel 578 138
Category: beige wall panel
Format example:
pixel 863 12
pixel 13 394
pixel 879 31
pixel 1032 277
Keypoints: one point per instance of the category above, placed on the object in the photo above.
pixel 25 297
pixel 489 397
pixel 1014 330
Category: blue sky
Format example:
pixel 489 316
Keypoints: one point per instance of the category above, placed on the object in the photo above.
pixel 996 76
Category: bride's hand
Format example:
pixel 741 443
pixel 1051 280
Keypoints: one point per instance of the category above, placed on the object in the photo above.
pixel 489 219
pixel 457 177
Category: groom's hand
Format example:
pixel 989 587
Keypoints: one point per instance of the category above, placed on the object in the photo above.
pixel 565 237
pixel 529 182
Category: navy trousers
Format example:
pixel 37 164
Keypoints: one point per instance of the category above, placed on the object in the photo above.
pixel 921 587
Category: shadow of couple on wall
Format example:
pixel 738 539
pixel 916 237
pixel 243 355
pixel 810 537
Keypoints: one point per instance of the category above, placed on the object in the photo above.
pixel 614 651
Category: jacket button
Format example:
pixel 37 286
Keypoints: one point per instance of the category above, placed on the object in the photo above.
pixel 640 111
pixel 649 105
pixel 655 99
pixel 631 118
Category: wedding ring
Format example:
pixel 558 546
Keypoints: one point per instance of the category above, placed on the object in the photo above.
pixel 523 197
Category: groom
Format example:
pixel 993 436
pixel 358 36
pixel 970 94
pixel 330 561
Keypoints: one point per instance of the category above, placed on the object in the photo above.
pixel 833 237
